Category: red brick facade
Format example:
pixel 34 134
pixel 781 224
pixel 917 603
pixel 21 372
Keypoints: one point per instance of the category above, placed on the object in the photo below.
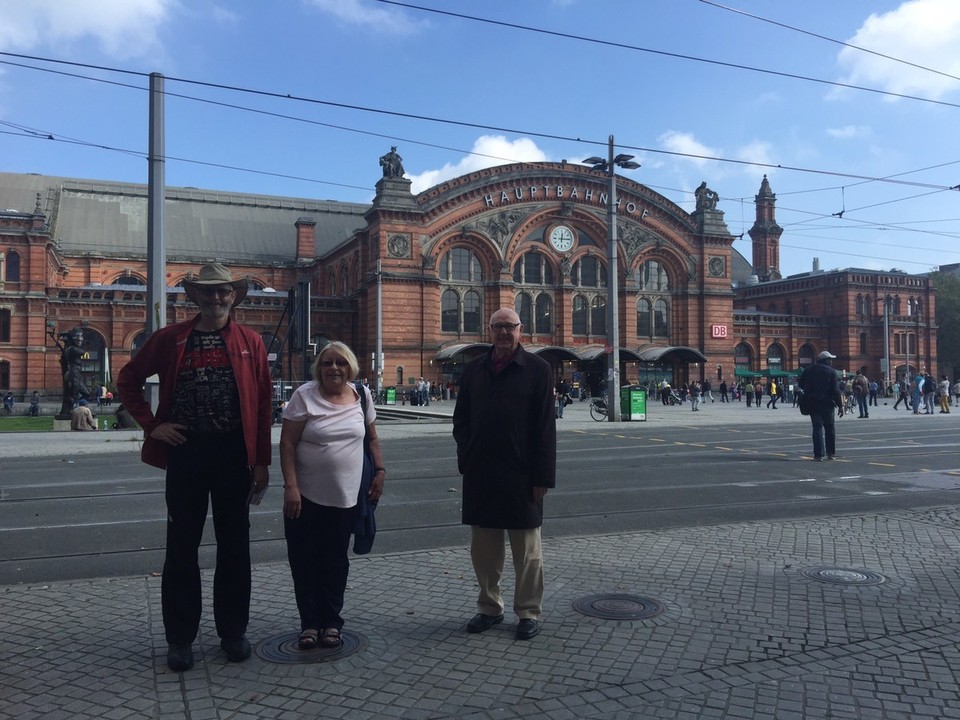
pixel 452 255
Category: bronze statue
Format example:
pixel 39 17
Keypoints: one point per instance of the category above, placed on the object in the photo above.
pixel 71 353
pixel 707 199
pixel 392 164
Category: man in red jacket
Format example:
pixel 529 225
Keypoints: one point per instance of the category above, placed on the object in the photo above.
pixel 211 432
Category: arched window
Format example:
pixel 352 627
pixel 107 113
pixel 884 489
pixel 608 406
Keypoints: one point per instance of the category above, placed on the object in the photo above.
pixel 859 309
pixel 775 357
pixel 588 272
pixel 449 311
pixel 472 312
pixel 661 326
pixel 524 307
pixel 653 277
pixel 579 315
pixel 533 268
pixel 643 318
pixel 461 306
pixel 344 281
pixel 863 343
pixel 806 355
pixel 867 302
pixel 461 315
pixel 4 374
pixel 544 315
pixel 743 356
pixel 460 265
pixel 5 329
pixel 332 283
pixel 12 268
pixel 598 316
pixel 130 280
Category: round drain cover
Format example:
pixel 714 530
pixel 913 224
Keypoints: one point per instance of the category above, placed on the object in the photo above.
pixel 282 649
pixel 844 576
pixel 619 607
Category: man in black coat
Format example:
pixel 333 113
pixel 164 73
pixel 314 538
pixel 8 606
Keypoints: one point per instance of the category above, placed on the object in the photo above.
pixel 506 436
pixel 821 396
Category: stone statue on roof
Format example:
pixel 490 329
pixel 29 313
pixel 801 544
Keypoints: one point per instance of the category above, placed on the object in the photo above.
pixel 707 199
pixel 392 164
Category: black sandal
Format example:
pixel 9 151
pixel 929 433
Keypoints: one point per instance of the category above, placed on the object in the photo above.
pixel 331 638
pixel 308 639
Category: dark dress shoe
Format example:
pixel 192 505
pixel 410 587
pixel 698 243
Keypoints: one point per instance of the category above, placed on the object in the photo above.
pixel 180 657
pixel 481 622
pixel 528 628
pixel 236 649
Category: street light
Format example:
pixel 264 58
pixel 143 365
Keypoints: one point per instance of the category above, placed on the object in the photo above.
pixel 609 166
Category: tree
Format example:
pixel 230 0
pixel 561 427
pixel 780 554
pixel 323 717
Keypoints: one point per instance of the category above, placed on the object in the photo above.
pixel 948 323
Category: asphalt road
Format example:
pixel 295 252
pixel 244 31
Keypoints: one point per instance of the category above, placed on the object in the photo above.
pixel 98 515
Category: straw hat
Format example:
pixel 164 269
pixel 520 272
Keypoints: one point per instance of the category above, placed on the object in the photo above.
pixel 215 274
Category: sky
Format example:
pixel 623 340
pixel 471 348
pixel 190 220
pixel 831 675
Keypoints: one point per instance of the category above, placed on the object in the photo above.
pixel 850 109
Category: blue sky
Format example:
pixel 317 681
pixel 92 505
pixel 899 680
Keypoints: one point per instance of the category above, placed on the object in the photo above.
pixel 542 80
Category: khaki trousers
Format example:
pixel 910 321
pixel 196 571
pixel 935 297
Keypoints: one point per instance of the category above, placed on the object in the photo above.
pixel 488 550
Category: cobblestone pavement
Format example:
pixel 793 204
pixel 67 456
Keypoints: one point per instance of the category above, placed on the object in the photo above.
pixel 849 617
pixel 844 617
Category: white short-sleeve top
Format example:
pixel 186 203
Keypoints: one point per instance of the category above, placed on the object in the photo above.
pixel 330 452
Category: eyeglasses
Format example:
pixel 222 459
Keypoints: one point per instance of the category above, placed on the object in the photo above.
pixel 504 327
pixel 221 291
pixel 339 362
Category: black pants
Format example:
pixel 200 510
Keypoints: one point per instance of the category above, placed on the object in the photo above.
pixel 824 430
pixel 214 468
pixel 317 546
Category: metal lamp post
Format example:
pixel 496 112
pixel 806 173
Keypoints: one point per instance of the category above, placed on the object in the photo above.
pixel 613 316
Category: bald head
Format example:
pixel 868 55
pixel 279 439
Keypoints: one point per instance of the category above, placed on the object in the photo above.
pixel 505 330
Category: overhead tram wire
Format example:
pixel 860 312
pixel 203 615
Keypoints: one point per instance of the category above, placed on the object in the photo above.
pixel 666 53
pixel 737 11
pixel 445 121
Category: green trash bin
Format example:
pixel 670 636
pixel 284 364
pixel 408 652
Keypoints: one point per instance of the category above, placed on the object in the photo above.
pixel 391 396
pixel 633 403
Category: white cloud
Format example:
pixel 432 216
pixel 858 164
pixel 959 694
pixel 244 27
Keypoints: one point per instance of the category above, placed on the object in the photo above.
pixel 488 151
pixel 381 19
pixel 687 144
pixel 758 151
pixel 849 131
pixel 924 32
pixel 122 28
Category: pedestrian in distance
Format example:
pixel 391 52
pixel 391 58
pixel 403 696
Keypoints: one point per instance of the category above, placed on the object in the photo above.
pixel 321 456
pixel 35 404
pixel 211 433
pixel 822 398
pixel 772 389
pixel 861 392
pixel 81 417
pixel 8 403
pixel 506 438
pixel 944 391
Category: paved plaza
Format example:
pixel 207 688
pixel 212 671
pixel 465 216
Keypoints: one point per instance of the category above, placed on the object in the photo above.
pixel 854 616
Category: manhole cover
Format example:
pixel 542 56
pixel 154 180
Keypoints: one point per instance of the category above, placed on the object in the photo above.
pixel 844 576
pixel 619 607
pixel 282 649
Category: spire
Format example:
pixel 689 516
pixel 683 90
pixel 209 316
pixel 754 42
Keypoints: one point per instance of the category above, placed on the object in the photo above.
pixel 765 235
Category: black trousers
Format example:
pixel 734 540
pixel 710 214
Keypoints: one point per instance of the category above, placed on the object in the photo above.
pixel 213 469
pixel 317 545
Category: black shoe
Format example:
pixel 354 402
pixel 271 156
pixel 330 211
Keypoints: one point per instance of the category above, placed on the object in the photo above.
pixel 528 628
pixel 236 649
pixel 180 657
pixel 481 622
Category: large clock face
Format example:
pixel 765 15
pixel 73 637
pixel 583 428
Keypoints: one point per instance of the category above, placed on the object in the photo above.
pixel 561 238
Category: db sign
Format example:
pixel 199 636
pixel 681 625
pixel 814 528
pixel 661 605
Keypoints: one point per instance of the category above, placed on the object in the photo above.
pixel 718 331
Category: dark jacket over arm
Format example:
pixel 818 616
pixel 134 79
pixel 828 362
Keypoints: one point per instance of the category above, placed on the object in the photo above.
pixel 506 436
pixel 820 384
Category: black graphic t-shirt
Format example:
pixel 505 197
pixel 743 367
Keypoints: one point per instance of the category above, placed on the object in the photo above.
pixel 206 398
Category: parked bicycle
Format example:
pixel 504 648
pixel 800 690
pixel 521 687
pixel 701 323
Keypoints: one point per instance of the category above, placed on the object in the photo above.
pixel 598 409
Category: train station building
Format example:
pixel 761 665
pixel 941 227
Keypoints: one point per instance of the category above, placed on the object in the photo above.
pixel 418 275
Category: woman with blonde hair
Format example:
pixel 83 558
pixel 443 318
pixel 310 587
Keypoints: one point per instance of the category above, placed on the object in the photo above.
pixel 321 457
